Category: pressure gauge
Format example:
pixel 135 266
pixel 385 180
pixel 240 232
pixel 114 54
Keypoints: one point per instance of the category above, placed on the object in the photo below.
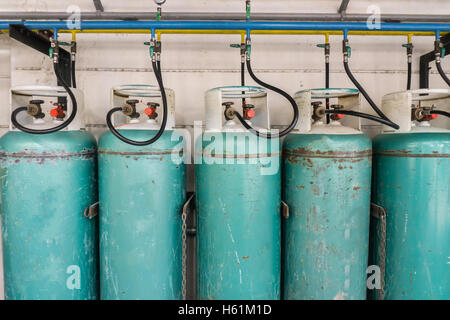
pixel 159 2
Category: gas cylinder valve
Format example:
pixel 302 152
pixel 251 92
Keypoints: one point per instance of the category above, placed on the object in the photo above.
pixel 248 111
pixel 34 109
pixel 57 112
pixel 229 111
pixel 318 110
pixel 129 109
pixel 150 111
pixel 336 116
pixel 422 114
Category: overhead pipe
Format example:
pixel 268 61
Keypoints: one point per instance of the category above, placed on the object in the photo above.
pixel 232 25
pixel 235 16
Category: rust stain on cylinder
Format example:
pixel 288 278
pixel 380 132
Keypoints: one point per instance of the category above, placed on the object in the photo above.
pixel 240 156
pixel 407 154
pixel 294 155
pixel 137 153
pixel 46 155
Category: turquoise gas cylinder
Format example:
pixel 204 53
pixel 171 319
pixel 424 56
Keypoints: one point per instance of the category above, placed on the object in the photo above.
pixel 48 184
pixel 238 203
pixel 326 184
pixel 411 240
pixel 141 191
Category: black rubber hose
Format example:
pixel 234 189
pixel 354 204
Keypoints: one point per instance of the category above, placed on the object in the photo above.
pixel 327 85
pixel 74 83
pixel 157 71
pixel 408 84
pixel 441 112
pixel 364 93
pixel 369 100
pixel 54 129
pixel 243 80
pixel 279 91
pixel 364 115
pixel 442 73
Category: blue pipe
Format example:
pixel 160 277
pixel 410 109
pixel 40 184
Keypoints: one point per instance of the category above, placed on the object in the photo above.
pixel 232 25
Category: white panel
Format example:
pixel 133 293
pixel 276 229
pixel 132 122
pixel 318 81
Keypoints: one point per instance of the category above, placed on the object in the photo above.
pixel 397 107
pixel 303 101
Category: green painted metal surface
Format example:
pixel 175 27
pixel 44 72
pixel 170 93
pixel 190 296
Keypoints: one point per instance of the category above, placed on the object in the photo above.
pixel 326 184
pixel 238 217
pixel 141 191
pixel 411 182
pixel 49 247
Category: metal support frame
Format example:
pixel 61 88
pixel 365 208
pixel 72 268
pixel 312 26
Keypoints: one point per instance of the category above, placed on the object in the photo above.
pixel 98 5
pixel 42 44
pixel 183 16
pixel 343 7
pixel 424 72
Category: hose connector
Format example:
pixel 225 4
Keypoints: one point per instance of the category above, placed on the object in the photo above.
pixel 439 50
pixel 243 47
pixel 54 50
pixel 248 48
pixel 346 50
pixel 157 50
pixel 326 47
pixel 154 49
pixel 409 50
pixel 73 50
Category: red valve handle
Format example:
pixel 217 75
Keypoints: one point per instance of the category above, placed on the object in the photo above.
pixel 149 111
pixel 57 112
pixel 249 114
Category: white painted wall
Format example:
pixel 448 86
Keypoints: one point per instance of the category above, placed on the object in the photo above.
pixel 193 64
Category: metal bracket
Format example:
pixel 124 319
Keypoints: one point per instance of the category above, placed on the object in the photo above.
pixel 42 43
pixel 284 209
pixel 91 211
pixel 343 8
pixel 98 6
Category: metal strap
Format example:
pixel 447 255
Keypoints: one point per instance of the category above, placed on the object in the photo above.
pixel 379 213
pixel 184 244
pixel 91 211
pixel 284 209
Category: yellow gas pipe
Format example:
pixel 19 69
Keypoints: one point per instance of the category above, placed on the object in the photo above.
pixel 243 32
